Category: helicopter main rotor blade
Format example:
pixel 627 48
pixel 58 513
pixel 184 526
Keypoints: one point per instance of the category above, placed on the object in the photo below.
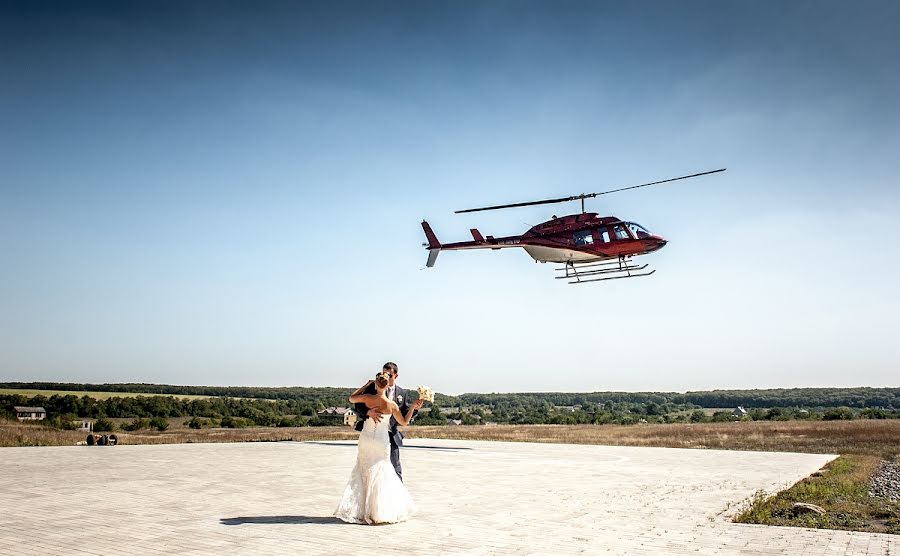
pixel 585 195
pixel 527 204
pixel 655 183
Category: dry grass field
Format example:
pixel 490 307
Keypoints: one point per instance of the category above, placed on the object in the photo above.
pixel 869 437
pixel 872 437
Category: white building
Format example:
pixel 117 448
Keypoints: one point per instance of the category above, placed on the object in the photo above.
pixel 338 415
pixel 30 413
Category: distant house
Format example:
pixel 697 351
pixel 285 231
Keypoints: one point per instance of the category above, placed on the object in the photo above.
pixel 739 412
pixel 350 418
pixel 340 415
pixel 454 422
pixel 30 413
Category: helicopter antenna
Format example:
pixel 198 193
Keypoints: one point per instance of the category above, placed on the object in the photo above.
pixel 584 196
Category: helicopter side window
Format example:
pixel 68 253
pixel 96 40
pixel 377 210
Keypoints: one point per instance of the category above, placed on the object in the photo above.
pixel 603 234
pixel 620 232
pixel 638 231
pixel 583 238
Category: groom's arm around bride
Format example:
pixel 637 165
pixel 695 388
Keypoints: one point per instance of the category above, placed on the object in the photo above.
pixel 363 412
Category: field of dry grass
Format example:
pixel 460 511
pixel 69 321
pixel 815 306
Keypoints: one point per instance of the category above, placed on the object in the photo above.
pixel 13 433
pixel 872 437
pixel 869 437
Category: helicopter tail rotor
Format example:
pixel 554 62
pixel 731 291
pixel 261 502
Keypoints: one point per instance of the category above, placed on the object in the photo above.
pixel 434 246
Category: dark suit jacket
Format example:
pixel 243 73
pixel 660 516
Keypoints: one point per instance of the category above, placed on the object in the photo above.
pixel 400 398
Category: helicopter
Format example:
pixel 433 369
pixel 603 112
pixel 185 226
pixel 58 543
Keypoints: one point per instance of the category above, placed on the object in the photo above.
pixel 592 248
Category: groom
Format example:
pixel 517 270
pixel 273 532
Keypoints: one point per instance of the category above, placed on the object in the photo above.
pixel 398 396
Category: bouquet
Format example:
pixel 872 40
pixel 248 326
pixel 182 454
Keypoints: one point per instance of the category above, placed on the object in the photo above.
pixel 426 394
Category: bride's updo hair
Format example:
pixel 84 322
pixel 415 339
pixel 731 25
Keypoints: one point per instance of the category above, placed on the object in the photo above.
pixel 381 380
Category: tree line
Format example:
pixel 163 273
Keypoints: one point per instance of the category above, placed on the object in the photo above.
pixel 300 406
pixel 809 398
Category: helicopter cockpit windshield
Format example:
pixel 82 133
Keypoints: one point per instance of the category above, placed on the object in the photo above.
pixel 638 231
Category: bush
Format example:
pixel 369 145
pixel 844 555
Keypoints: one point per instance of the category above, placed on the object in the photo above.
pixel 67 422
pixel 698 416
pixel 722 417
pixel 136 425
pixel 198 423
pixel 838 414
pixel 287 421
pixel 873 413
pixel 159 423
pixel 104 425
pixel 234 422
pixel 266 419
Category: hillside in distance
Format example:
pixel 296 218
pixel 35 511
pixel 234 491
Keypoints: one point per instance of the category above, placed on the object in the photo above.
pixel 856 397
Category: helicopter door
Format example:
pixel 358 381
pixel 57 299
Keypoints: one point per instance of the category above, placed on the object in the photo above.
pixel 601 235
pixel 583 237
pixel 620 232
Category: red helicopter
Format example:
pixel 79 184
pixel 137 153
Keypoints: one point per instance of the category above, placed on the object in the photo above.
pixel 593 247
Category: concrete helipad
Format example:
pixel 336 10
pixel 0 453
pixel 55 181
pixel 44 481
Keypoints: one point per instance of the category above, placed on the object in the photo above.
pixel 473 497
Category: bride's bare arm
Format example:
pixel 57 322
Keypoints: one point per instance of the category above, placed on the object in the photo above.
pixel 403 420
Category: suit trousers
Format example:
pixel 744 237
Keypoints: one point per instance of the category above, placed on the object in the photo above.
pixel 395 458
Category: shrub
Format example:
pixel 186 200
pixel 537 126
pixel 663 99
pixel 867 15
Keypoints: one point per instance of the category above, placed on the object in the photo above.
pixel 287 421
pixel 234 422
pixel 136 425
pixel 722 417
pixel 873 413
pixel 104 425
pixel 838 414
pixel 159 423
pixel 67 422
pixel 198 423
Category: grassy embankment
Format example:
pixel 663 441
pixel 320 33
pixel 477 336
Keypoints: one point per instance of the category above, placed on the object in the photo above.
pixel 841 489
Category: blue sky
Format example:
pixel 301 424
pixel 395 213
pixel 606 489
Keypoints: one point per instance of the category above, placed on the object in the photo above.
pixel 227 193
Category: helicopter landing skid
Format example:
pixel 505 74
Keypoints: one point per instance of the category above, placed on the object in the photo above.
pixel 597 272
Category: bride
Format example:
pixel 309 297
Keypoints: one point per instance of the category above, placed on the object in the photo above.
pixel 375 494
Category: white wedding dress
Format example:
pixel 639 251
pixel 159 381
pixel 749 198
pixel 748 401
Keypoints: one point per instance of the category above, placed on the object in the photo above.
pixel 374 493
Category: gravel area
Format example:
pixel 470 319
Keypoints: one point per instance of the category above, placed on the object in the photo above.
pixel 886 481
